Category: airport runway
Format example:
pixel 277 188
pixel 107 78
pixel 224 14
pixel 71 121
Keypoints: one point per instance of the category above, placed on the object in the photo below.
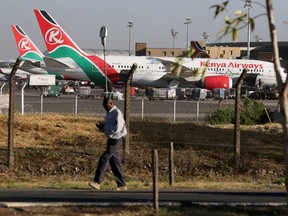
pixel 68 104
pixel 35 197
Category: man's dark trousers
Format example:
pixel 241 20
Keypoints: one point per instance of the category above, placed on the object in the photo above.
pixel 111 154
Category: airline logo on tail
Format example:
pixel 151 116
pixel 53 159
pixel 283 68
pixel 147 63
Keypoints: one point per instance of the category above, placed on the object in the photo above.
pixel 54 36
pixel 200 52
pixel 26 47
pixel 60 45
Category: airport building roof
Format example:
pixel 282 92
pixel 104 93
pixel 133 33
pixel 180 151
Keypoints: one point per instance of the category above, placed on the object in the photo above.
pixel 99 52
pixel 110 52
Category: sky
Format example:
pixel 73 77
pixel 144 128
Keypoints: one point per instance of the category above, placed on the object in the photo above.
pixel 153 21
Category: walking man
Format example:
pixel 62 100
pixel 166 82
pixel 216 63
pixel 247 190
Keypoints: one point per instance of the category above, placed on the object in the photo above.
pixel 115 130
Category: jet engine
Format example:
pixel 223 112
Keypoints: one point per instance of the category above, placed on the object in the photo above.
pixel 212 82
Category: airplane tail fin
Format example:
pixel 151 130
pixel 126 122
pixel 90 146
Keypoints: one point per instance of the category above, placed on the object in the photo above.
pixel 200 52
pixel 56 39
pixel 26 47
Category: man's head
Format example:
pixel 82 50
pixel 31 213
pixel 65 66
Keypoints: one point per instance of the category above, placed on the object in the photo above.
pixel 108 104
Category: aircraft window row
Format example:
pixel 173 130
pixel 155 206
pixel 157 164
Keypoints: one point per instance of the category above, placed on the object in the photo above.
pixel 223 69
pixel 127 66
pixel 161 67
pixel 257 71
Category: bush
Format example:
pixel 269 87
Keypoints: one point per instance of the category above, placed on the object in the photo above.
pixel 252 112
pixel 220 116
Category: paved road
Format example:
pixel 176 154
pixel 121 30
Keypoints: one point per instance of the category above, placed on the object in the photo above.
pixel 184 110
pixel 19 197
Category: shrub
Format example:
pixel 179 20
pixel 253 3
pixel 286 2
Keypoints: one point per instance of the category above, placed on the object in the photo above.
pixel 252 112
pixel 220 116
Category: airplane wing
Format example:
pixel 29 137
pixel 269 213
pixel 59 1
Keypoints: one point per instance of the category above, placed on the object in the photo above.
pixel 32 67
pixel 53 63
pixel 3 77
pixel 185 71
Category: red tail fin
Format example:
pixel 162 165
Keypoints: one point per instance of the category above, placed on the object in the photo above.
pixel 54 36
pixel 24 44
pixel 200 52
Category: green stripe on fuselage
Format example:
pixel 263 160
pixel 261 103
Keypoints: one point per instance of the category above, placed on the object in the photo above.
pixel 89 69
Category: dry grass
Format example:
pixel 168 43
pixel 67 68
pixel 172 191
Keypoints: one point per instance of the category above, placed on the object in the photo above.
pixel 62 151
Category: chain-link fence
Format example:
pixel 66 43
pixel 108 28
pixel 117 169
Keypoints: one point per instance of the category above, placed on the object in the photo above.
pixel 78 156
pixel 32 102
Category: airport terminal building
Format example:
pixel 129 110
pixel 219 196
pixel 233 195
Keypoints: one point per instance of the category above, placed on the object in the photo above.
pixel 233 50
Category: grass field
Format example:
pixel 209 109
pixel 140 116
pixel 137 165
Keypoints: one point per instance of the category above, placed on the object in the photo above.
pixel 62 151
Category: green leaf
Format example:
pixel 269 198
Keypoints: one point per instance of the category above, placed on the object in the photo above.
pixel 252 23
pixel 234 34
pixel 227 20
pixel 238 13
pixel 219 8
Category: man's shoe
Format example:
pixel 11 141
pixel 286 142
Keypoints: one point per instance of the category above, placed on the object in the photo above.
pixel 94 185
pixel 123 188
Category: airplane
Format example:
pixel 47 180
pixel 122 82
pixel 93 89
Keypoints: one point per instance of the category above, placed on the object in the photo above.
pixel 151 72
pixel 66 56
pixel 20 74
pixel 31 55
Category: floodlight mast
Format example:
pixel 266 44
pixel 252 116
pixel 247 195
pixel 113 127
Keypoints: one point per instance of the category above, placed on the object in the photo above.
pixel 187 22
pixel 103 35
pixel 248 5
pixel 174 36
pixel 206 37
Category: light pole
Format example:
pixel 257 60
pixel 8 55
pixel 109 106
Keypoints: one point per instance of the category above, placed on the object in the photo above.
pixel 187 22
pixel 130 25
pixel 248 5
pixel 103 35
pixel 206 37
pixel 174 36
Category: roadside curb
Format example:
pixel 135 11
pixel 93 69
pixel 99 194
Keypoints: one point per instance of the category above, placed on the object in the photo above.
pixel 105 204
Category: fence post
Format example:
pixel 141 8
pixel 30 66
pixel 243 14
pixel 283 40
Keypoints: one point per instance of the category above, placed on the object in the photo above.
pixel 171 164
pixel 142 109
pixel 174 111
pixel 197 111
pixel 76 104
pixel 127 108
pixel 10 152
pixel 41 102
pixel 2 88
pixel 155 181
pixel 237 118
pixel 22 98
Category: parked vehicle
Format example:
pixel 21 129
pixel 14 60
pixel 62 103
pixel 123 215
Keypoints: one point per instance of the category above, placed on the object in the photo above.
pixel 52 91
pixel 156 93
pixel 219 93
